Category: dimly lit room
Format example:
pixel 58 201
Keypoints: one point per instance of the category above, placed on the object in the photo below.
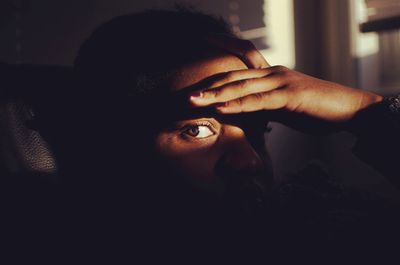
pixel 200 131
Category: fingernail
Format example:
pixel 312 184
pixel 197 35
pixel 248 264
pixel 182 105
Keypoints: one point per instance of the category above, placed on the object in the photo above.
pixel 196 95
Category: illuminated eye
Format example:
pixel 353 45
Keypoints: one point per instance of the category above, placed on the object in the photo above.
pixel 199 131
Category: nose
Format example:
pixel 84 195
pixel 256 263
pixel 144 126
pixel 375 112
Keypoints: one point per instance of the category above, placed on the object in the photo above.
pixel 244 173
pixel 240 160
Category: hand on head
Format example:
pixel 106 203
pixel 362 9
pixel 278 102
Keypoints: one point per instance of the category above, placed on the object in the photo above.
pixel 266 88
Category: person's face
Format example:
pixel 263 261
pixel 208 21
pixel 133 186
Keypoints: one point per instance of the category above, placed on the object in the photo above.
pixel 213 153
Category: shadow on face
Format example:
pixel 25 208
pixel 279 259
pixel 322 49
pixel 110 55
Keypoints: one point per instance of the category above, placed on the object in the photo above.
pixel 215 155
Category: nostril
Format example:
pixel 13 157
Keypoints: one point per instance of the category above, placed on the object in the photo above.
pixel 240 163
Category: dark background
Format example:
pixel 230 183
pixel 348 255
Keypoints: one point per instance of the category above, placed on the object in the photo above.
pixel 46 32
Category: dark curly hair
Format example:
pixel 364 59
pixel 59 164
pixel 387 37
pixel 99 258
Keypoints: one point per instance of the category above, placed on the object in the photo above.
pixel 136 53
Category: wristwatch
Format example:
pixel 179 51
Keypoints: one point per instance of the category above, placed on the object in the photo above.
pixel 392 104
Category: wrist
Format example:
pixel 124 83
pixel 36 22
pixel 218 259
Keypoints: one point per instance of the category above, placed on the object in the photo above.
pixel 379 111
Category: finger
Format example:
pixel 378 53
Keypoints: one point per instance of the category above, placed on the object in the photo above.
pixel 271 100
pixel 244 49
pixel 235 90
pixel 237 75
pixel 228 77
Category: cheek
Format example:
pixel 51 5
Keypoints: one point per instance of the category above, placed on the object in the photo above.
pixel 194 162
pixel 173 146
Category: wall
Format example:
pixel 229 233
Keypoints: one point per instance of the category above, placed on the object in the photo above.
pixel 329 46
pixel 50 32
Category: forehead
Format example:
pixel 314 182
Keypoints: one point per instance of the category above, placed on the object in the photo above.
pixel 197 71
pixel 174 106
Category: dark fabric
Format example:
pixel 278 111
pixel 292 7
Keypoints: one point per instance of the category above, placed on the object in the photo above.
pixel 101 208
pixel 378 130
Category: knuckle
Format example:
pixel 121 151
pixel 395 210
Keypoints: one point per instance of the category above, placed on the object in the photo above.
pixel 242 84
pixel 240 103
pixel 216 93
pixel 223 79
pixel 287 102
pixel 280 68
pixel 266 72
pixel 237 102
pixel 259 96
